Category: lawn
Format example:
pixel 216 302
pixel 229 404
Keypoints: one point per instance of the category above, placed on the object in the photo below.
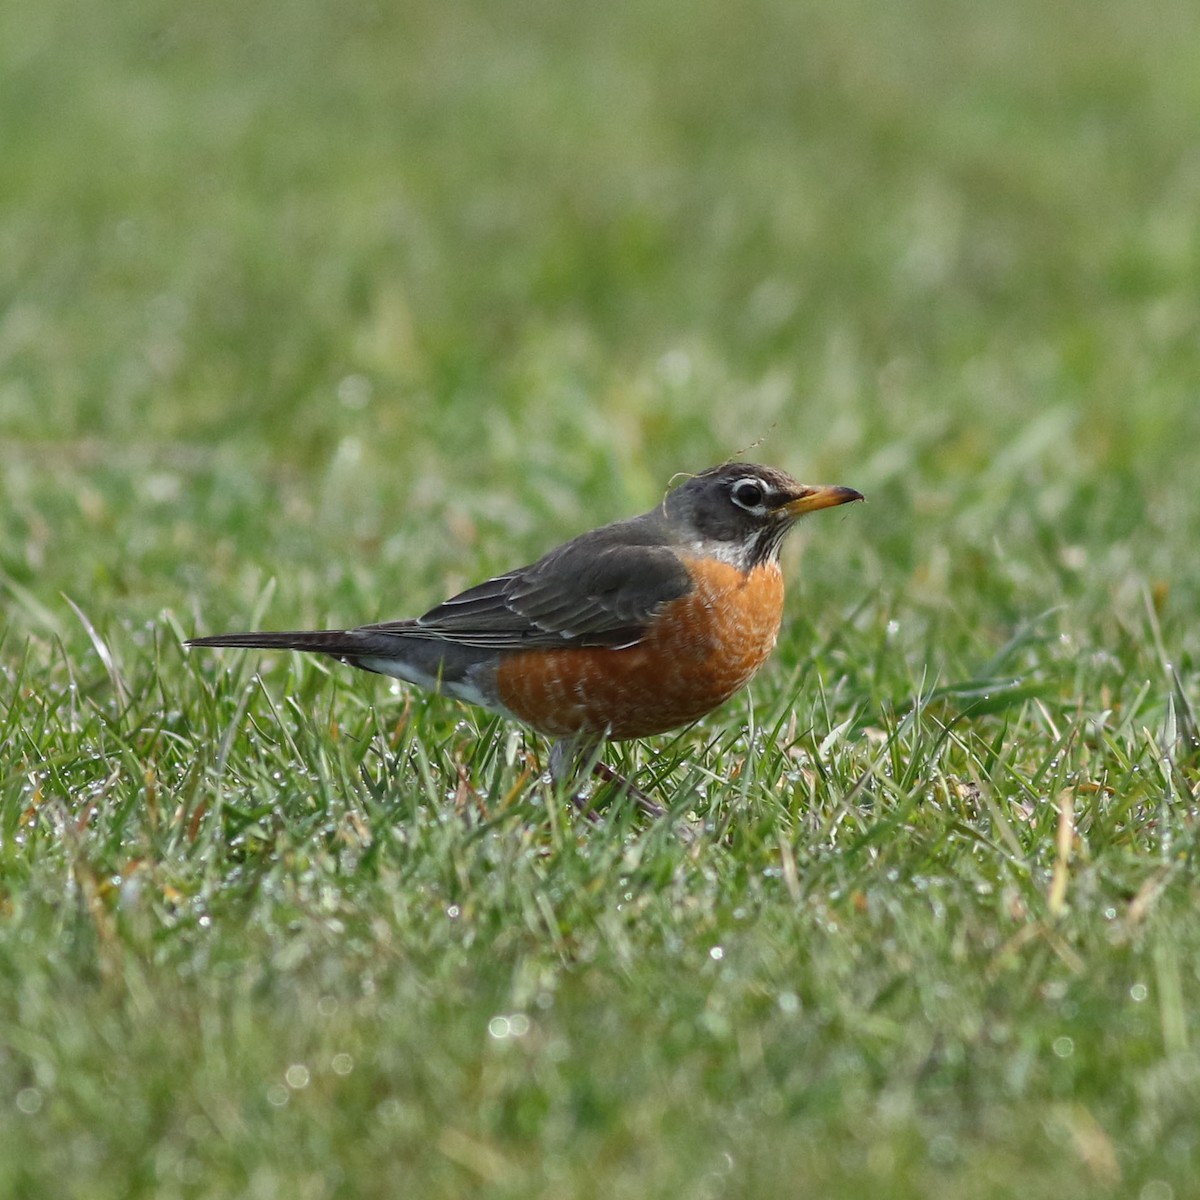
pixel 311 314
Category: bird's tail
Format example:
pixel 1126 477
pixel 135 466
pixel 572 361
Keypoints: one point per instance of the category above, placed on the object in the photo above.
pixel 338 642
pixel 399 651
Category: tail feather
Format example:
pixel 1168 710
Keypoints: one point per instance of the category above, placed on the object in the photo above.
pixel 338 642
pixel 399 651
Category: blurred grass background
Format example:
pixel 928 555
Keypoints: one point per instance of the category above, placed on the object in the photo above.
pixel 313 312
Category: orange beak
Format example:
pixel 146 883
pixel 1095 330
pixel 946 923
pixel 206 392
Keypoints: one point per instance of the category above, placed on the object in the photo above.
pixel 811 499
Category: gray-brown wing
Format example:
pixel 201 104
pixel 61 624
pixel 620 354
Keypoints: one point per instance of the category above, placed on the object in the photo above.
pixel 594 591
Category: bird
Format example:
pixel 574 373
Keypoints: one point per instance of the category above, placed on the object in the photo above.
pixel 632 629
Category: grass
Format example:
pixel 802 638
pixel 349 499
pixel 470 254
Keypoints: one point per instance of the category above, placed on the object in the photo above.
pixel 313 314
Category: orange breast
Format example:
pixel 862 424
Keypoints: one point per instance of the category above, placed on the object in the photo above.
pixel 703 648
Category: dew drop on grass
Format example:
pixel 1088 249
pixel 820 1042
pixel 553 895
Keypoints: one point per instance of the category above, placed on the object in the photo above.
pixel 354 391
pixel 297 1076
pixel 1157 1189
pixel 514 1025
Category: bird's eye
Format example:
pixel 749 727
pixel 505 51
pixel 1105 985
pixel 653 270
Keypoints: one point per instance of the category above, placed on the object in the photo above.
pixel 748 493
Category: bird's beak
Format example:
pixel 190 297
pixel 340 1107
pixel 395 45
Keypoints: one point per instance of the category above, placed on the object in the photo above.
pixel 821 496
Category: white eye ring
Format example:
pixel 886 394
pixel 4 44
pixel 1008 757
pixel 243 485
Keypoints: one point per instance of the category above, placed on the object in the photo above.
pixel 751 494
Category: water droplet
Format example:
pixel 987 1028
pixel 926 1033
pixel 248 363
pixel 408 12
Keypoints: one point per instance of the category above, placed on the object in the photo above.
pixel 297 1076
pixel 355 391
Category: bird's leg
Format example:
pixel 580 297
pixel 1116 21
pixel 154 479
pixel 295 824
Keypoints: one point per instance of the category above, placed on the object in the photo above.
pixel 569 754
pixel 650 807
pixel 566 756
pixel 564 759
pixel 685 830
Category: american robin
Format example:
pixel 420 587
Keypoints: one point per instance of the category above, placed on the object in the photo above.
pixel 635 628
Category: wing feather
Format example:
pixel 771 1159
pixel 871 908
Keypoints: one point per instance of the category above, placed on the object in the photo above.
pixel 602 589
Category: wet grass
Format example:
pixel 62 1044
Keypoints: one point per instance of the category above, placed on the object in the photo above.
pixel 313 316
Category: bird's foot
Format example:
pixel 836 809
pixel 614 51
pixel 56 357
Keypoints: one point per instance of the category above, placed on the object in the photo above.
pixel 566 757
pixel 650 807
